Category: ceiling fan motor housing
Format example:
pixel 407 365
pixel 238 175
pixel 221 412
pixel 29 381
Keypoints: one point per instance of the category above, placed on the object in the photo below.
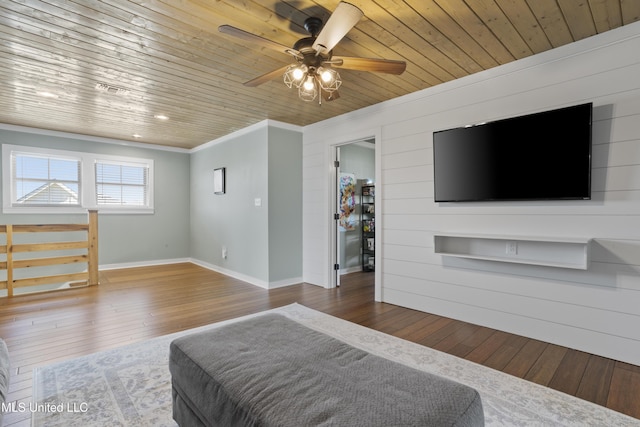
pixel 313 25
pixel 310 57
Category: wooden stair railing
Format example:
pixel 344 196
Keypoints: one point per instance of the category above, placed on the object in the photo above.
pixel 90 257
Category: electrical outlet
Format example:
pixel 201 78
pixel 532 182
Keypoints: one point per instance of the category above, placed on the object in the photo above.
pixel 512 248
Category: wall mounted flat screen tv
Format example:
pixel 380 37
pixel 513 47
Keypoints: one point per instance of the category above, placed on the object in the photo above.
pixel 542 156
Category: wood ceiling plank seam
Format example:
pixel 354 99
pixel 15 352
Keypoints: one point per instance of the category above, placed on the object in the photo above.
pixel 243 17
pixel 169 84
pixel 471 51
pixel 607 14
pixel 420 72
pixel 38 54
pixel 201 15
pixel 61 108
pixel 470 23
pixel 552 20
pixel 62 21
pixel 189 139
pixel 495 19
pixel 579 19
pixel 110 115
pixel 413 40
pixel 172 33
pixel 521 17
pixel 7 19
pixel 419 61
pixel 82 91
pixel 131 48
pixel 414 20
pixel 74 46
pixel 94 9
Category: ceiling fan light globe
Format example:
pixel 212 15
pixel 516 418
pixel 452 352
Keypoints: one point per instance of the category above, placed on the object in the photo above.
pixel 294 75
pixel 329 79
pixel 326 74
pixel 308 91
pixel 309 84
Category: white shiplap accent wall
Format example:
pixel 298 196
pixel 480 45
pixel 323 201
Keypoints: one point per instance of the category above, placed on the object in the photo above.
pixel 597 310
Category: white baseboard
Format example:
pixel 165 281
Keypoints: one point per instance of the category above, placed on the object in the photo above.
pixel 143 263
pixel 348 270
pixel 248 279
pixel 208 266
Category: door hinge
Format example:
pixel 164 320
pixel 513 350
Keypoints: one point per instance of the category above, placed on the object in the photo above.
pixel 336 164
pixel 336 267
pixel 336 216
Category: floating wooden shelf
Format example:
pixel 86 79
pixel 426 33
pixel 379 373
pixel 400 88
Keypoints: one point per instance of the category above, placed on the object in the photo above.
pixel 545 251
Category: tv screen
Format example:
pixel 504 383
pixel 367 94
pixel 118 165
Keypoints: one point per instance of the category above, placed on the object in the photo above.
pixel 542 156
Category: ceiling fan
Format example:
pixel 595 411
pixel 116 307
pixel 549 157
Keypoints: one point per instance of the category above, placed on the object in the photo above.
pixel 313 72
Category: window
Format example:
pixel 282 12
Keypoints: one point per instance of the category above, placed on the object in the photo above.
pixel 45 181
pixel 38 180
pixel 119 184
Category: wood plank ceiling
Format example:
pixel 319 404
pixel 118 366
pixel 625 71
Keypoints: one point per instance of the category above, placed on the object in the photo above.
pixel 166 57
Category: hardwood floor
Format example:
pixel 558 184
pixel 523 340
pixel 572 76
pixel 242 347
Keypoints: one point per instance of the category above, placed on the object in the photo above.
pixel 136 304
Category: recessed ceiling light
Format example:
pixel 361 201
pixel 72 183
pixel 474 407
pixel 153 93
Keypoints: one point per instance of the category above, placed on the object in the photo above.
pixel 136 135
pixel 161 117
pixel 46 94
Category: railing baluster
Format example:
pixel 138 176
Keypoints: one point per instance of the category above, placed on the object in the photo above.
pixel 88 277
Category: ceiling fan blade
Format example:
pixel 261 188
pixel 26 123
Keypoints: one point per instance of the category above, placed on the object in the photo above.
pixel 341 21
pixel 329 96
pixel 388 66
pixel 258 40
pixel 266 77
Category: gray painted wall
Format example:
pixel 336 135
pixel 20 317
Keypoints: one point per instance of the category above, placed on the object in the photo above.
pixel 231 220
pixel 126 238
pixel 258 220
pixel 285 206
pixel 263 242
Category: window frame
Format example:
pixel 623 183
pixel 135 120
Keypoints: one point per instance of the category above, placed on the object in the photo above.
pixel 87 196
pixel 127 163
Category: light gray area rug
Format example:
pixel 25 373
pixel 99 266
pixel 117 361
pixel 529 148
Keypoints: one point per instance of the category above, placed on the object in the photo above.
pixel 131 385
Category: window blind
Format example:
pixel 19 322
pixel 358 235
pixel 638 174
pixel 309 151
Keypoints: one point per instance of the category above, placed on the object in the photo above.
pixel 45 181
pixel 122 184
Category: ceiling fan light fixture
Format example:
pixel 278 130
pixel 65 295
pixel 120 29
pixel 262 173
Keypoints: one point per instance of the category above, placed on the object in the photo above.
pixel 309 84
pixel 295 75
pixel 329 79
pixel 314 55
pixel 309 90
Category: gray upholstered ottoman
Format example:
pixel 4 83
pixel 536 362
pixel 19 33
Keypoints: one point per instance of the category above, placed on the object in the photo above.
pixel 273 371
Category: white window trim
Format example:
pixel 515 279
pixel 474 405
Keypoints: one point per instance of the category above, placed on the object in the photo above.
pixel 88 196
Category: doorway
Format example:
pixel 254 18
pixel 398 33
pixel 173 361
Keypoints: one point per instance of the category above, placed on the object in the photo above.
pixel 355 206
